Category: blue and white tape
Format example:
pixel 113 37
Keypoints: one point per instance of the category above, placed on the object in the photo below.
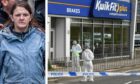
pixel 74 74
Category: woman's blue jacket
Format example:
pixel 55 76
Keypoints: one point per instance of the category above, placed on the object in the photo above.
pixel 22 56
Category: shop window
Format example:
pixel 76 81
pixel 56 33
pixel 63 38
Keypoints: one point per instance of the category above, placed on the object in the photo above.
pixel 73 20
pixel 138 8
pixel 108 40
pixel 97 21
pixel 117 22
pixel 118 40
pixel 126 40
pixel 98 41
pixel 125 22
pixel 76 32
pixel 108 21
pixel 89 21
pixel 88 35
pixel 138 28
pixel 108 37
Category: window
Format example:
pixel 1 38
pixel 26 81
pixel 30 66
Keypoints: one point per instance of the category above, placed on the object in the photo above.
pixel 109 37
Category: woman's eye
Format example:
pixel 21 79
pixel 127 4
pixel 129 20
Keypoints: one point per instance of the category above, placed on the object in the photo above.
pixel 25 14
pixel 17 15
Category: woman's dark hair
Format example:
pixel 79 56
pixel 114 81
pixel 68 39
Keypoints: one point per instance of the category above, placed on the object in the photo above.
pixel 21 4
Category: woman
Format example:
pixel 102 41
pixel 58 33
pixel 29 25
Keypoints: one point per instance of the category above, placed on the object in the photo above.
pixel 22 49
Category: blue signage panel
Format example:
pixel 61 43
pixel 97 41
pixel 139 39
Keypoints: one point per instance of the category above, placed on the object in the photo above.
pixel 80 8
pixel 60 9
pixel 112 9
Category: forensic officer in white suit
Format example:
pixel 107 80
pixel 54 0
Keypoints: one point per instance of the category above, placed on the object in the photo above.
pixel 76 50
pixel 87 57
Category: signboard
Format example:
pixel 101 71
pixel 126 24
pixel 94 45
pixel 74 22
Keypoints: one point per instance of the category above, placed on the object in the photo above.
pixel 70 7
pixel 112 9
pixel 120 9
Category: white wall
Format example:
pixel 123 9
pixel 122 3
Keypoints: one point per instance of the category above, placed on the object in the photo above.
pixel 60 35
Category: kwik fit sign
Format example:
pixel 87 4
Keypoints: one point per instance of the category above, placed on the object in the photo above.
pixel 112 9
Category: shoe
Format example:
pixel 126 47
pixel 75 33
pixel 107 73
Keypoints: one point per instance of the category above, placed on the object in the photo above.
pixel 84 80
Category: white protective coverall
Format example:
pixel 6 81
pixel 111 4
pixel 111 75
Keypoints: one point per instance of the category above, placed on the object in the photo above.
pixel 76 49
pixel 87 56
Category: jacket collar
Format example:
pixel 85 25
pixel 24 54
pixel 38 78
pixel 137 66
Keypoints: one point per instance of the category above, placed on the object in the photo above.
pixel 11 35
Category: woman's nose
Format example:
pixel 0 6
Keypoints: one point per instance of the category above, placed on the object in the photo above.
pixel 21 17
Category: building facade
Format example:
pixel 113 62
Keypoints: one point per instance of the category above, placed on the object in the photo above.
pixel 107 25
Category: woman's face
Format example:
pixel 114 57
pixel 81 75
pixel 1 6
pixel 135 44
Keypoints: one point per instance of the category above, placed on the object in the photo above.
pixel 21 18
